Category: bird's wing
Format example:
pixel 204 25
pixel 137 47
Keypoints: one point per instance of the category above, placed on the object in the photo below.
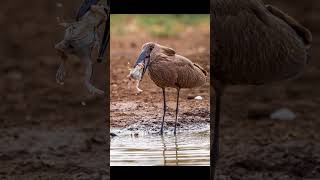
pixel 231 23
pixel 201 69
pixel 303 32
pixel 188 73
pixel 246 39
pixel 253 46
pixel 162 71
pixel 163 54
pixel 85 7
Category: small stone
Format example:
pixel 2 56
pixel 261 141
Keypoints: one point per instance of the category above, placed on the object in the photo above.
pixel 190 97
pixel 283 114
pixel 198 98
pixel 59 5
pixel 113 134
pixel 136 134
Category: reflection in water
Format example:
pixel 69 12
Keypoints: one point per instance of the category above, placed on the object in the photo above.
pixel 165 149
pixel 149 150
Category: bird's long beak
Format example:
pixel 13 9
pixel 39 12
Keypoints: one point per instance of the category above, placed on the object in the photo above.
pixel 144 58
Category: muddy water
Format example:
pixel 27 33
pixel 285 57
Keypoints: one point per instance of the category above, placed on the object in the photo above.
pixel 187 148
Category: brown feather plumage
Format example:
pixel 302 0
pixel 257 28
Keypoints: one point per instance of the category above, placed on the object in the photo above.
pixel 252 44
pixel 168 69
pixel 256 44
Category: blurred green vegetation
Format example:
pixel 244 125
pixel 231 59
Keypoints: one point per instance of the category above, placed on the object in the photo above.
pixel 159 25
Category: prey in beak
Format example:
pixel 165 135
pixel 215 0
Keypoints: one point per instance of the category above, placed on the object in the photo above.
pixel 141 65
pixel 144 57
pixel 136 74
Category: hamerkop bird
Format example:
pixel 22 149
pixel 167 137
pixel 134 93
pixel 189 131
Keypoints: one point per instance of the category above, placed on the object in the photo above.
pixel 168 69
pixel 252 44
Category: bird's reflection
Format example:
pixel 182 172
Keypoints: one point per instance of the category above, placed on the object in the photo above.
pixel 165 149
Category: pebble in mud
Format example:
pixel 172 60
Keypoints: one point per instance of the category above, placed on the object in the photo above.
pixel 136 134
pixel 113 135
pixel 283 114
pixel 198 98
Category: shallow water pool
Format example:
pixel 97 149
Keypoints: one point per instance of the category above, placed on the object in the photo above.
pixel 189 148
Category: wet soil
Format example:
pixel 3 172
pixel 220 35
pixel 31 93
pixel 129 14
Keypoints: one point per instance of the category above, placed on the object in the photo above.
pixel 45 131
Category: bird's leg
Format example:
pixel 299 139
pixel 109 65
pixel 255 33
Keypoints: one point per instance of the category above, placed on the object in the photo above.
pixel 88 74
pixel 214 146
pixel 164 109
pixel 177 110
pixel 61 73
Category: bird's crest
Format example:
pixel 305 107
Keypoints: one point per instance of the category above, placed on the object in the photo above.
pixel 167 51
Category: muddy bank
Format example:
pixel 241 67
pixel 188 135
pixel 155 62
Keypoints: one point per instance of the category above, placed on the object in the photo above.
pixel 148 116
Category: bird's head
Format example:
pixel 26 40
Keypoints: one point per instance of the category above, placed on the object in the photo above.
pixel 144 56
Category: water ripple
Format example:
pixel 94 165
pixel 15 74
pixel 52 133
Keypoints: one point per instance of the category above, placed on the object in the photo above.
pixel 185 149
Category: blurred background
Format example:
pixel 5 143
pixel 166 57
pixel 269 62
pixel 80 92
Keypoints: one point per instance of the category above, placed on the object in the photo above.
pixel 158 26
pixel 256 146
pixel 45 131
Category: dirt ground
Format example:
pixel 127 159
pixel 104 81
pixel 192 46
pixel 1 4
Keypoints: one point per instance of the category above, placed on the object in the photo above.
pixel 45 132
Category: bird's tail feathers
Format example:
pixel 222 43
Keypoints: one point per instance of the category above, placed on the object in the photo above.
pixel 204 71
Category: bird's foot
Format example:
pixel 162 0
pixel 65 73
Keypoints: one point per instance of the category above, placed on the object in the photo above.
pixel 139 91
pixel 94 90
pixel 161 131
pixel 60 75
